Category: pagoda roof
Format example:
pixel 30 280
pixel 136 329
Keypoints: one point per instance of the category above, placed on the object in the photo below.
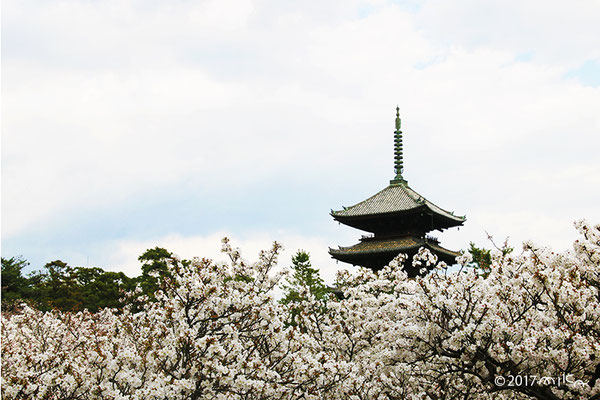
pixel 396 198
pixel 395 245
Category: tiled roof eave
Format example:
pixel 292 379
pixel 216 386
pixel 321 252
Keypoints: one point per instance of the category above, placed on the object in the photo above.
pixel 455 220
pixel 352 251
pixel 338 216
pixel 394 199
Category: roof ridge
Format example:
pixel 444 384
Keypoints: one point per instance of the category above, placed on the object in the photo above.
pixel 393 198
pixel 363 201
pixel 429 202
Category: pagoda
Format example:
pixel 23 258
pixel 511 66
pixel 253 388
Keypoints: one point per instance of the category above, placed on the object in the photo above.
pixel 398 219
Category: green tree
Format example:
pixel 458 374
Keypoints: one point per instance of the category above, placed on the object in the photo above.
pixel 304 278
pixel 15 286
pixel 482 258
pixel 101 289
pixel 60 286
pixel 57 287
pixel 155 269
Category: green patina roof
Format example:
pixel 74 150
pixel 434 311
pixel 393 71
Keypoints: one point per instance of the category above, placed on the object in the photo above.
pixel 397 197
pixel 398 245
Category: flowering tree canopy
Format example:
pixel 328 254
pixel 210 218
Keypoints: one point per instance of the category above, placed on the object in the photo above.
pixel 527 328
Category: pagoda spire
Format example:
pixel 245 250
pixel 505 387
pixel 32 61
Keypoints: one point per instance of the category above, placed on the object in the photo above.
pixel 398 219
pixel 398 157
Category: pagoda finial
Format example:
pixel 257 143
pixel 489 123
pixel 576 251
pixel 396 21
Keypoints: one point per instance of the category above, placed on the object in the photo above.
pixel 398 157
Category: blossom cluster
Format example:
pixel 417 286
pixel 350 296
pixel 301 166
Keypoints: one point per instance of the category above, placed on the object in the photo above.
pixel 215 331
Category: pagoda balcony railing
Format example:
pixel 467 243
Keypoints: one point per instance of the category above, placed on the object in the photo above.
pixel 371 236
pixel 432 239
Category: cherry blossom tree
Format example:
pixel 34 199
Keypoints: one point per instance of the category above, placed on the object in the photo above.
pixel 527 328
pixel 215 331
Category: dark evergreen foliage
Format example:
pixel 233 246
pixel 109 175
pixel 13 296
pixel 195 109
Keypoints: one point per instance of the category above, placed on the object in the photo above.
pixel 482 258
pixel 303 281
pixel 304 278
pixel 15 286
pixel 59 286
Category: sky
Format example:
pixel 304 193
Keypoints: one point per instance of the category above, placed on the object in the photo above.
pixel 130 124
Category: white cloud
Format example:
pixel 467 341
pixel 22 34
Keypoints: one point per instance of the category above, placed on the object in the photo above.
pixel 106 103
pixel 556 32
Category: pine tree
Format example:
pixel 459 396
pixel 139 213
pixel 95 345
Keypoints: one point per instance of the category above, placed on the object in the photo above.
pixel 304 277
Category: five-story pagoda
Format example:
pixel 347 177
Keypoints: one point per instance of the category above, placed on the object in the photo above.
pixel 398 218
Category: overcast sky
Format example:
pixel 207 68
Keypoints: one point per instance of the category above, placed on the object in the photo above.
pixel 129 124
